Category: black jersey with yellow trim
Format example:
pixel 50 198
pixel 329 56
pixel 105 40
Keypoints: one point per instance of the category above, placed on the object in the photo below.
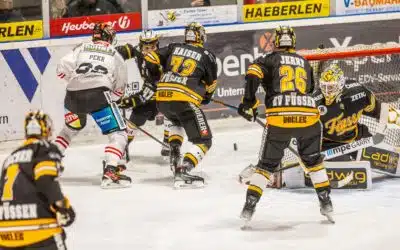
pixel 25 214
pixel 149 72
pixel 190 73
pixel 341 118
pixel 287 79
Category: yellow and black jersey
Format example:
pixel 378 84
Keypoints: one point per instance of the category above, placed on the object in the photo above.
pixel 28 188
pixel 149 71
pixel 287 79
pixel 190 73
pixel 340 119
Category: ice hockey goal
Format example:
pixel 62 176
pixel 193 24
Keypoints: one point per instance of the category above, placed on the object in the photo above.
pixel 377 67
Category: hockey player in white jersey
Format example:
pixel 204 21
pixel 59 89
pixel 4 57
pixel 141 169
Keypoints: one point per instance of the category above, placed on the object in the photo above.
pixel 96 76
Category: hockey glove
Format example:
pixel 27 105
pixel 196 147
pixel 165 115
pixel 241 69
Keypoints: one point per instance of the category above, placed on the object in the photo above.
pixel 248 110
pixel 65 214
pixel 206 99
pixel 127 102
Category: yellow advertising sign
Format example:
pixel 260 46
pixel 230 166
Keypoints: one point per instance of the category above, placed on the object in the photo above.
pixel 286 10
pixel 21 31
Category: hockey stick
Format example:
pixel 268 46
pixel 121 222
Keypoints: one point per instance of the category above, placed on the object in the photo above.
pixel 127 157
pixel 146 133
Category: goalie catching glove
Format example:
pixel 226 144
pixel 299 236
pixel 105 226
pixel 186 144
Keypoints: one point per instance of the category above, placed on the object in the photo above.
pixel 138 99
pixel 248 110
pixel 64 212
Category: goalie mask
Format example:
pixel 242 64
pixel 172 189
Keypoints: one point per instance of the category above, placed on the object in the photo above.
pixel 195 33
pixel 285 38
pixel 38 125
pixel 104 32
pixel 148 41
pixel 331 83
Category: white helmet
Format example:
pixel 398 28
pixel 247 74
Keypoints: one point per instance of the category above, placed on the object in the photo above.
pixel 148 37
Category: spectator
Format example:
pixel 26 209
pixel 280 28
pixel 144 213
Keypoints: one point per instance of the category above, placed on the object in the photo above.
pixel 8 13
pixel 58 8
pixel 196 3
pixel 130 5
pixel 89 8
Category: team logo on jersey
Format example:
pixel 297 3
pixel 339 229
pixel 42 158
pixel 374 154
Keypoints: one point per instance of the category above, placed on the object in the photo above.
pixel 322 109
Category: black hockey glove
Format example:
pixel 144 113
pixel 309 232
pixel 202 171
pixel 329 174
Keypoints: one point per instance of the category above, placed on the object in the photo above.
pixel 248 110
pixel 137 99
pixel 127 102
pixel 207 98
pixel 64 212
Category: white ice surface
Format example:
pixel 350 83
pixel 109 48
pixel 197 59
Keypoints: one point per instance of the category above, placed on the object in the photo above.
pixel 151 215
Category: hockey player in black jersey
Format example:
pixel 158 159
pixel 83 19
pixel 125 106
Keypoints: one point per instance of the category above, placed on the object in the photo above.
pixel 291 111
pixel 143 102
pixel 189 80
pixel 33 207
pixel 341 104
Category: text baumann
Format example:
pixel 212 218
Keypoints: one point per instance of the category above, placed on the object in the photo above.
pixel 283 10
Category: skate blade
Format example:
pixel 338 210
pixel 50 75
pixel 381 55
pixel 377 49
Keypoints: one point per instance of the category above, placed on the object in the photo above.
pixel 329 217
pixel 109 184
pixel 181 184
pixel 246 224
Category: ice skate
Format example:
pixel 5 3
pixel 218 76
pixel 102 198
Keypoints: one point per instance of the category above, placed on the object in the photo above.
pixel 183 179
pixel 248 210
pixel 326 207
pixel 112 177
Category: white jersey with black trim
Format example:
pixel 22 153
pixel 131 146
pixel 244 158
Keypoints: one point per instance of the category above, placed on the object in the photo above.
pixel 93 65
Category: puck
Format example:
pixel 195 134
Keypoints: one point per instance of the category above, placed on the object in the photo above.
pixel 235 146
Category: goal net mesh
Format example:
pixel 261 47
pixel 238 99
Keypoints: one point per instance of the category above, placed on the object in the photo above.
pixel 375 67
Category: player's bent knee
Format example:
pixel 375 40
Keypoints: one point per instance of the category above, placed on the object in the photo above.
pixel 312 160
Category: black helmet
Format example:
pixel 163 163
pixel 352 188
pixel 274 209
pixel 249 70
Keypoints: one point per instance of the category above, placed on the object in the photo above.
pixel 285 37
pixel 195 33
pixel 103 32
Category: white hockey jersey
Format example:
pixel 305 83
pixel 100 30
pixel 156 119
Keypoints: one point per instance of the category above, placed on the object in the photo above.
pixel 92 65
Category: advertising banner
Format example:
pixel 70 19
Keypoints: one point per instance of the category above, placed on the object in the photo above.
pixel 236 50
pixel 181 17
pixel 286 10
pixel 352 7
pixel 19 31
pixel 84 25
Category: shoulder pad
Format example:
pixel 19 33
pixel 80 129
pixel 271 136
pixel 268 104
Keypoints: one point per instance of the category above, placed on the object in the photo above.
pixel 210 55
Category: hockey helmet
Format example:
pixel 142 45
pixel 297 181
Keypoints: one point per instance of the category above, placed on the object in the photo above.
pixel 331 82
pixel 104 32
pixel 195 33
pixel 285 38
pixel 148 41
pixel 38 125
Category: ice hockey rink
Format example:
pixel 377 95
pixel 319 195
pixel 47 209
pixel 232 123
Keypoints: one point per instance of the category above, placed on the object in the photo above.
pixel 152 215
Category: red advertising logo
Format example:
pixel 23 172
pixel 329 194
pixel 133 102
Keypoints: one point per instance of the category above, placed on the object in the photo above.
pixel 84 25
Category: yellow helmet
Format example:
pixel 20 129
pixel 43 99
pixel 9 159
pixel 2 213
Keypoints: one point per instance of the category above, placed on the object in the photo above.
pixel 331 82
